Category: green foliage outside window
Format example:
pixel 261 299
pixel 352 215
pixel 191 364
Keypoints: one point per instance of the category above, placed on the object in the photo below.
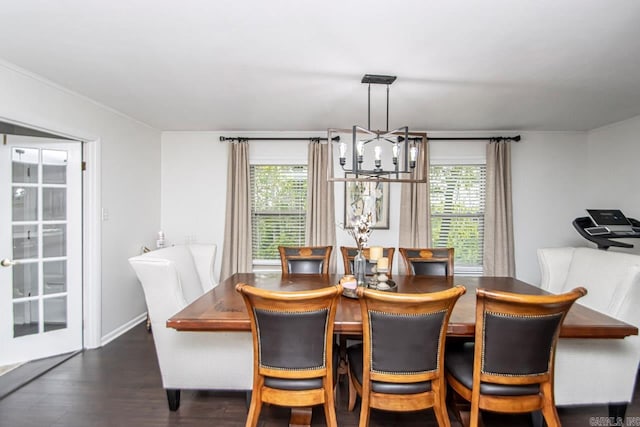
pixel 457 210
pixel 278 208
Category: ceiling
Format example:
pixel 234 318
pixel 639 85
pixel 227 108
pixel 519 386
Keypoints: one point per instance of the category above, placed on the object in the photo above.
pixel 569 65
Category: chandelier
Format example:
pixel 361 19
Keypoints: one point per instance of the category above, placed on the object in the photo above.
pixel 375 155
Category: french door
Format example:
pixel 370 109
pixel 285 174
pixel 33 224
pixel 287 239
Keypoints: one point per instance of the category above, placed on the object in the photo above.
pixel 40 248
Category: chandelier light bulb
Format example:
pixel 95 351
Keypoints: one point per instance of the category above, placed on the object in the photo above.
pixel 343 153
pixel 413 156
pixel 343 150
pixel 360 151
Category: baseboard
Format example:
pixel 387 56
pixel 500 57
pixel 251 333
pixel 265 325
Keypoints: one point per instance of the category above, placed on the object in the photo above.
pixel 106 339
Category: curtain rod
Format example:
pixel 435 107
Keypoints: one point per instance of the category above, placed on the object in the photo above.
pixel 478 138
pixel 337 138
pixel 244 138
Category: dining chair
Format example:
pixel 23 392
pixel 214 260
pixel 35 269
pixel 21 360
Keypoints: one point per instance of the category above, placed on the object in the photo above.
pixel 349 253
pixel 292 348
pixel 428 261
pixel 509 368
pixel 399 366
pixel 305 259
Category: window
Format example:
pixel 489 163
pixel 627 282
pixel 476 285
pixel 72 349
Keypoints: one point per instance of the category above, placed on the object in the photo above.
pixel 278 208
pixel 457 212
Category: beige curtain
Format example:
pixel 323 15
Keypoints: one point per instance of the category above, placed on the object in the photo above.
pixel 236 253
pixel 320 223
pixel 415 221
pixel 499 259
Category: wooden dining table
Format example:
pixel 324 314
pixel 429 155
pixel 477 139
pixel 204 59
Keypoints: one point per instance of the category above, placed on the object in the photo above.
pixel 222 309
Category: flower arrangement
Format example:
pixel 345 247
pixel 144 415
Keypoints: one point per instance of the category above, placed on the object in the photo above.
pixel 361 230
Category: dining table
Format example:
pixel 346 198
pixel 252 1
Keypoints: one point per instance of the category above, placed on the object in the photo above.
pixel 222 308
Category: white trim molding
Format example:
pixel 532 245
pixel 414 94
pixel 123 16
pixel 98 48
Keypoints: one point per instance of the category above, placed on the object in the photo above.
pixel 123 329
pixel 91 247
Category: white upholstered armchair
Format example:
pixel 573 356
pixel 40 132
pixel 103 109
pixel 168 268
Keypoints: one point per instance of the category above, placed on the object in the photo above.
pixel 172 278
pixel 596 371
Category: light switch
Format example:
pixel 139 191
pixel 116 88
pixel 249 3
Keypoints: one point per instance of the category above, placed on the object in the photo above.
pixel 105 214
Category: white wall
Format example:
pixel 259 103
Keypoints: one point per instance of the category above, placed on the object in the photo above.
pixel 547 180
pixel 130 179
pixel 548 186
pixel 194 180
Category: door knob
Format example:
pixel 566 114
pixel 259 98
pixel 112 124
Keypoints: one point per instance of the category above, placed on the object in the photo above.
pixel 7 262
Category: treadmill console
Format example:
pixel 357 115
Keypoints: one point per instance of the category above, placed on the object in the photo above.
pixel 605 235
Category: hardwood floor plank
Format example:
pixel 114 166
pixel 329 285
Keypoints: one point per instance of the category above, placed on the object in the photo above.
pixel 120 385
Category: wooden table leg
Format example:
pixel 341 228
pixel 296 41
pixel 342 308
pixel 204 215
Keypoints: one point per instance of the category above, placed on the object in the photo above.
pixel 300 417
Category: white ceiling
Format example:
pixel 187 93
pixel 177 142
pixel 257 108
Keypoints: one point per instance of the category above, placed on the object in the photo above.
pixel 297 65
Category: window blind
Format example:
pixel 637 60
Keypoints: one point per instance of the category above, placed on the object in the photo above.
pixel 278 208
pixel 457 195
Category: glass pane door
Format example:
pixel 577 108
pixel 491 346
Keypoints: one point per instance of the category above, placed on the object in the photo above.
pixel 39 224
pixel 40 248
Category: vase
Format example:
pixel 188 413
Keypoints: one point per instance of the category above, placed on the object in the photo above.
pixel 360 268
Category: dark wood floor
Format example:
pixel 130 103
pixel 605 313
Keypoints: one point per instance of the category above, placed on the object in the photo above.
pixel 119 385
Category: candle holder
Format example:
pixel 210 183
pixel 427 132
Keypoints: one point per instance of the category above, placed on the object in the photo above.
pixel 379 279
pixel 373 279
pixel 382 279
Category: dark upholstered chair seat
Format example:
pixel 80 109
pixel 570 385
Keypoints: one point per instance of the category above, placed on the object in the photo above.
pixel 293 384
pixel 303 384
pixel 459 362
pixel 354 355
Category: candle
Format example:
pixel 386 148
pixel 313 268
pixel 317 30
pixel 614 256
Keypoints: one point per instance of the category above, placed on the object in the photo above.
pixel 383 263
pixel 375 253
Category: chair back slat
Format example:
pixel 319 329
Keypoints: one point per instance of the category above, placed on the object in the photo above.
pixel 428 261
pixel 305 259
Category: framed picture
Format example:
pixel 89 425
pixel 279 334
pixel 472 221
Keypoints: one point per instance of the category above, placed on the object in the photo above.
pixel 361 198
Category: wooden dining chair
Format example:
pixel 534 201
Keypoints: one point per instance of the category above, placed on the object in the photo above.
pixel 509 368
pixel 399 366
pixel 305 259
pixel 349 253
pixel 292 348
pixel 428 261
